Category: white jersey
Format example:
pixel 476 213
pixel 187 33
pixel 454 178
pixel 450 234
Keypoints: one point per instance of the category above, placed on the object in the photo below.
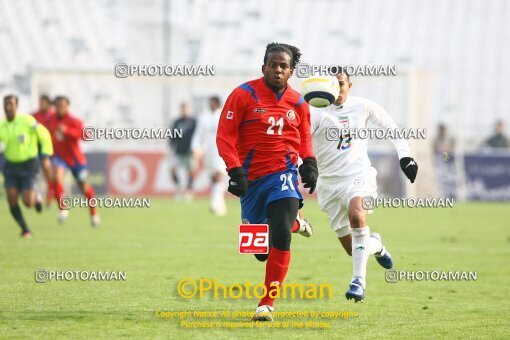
pixel 340 158
pixel 204 140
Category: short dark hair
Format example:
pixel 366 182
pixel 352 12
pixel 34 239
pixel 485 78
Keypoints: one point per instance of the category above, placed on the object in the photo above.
pixel 10 96
pixel 292 51
pixel 215 99
pixel 58 98
pixel 342 71
pixel 45 97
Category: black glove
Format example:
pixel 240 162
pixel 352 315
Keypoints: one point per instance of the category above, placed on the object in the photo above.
pixel 309 173
pixel 409 167
pixel 238 183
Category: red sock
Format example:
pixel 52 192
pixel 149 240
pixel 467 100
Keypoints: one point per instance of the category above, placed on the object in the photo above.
pixel 90 193
pixel 276 270
pixel 295 226
pixel 58 188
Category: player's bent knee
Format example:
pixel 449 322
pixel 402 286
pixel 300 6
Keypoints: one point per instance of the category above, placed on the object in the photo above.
pixel 282 240
pixel 357 218
pixel 281 234
pixel 281 215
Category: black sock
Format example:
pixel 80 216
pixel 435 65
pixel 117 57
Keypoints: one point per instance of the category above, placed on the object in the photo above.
pixel 18 216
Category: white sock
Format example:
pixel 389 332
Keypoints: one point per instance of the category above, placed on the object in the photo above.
pixel 374 245
pixel 218 196
pixel 214 194
pixel 221 196
pixel 360 253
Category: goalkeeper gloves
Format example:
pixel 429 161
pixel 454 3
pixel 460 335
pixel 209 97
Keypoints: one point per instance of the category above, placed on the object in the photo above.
pixel 238 183
pixel 309 173
pixel 409 167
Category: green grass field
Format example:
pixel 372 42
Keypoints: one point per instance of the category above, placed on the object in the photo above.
pixel 169 241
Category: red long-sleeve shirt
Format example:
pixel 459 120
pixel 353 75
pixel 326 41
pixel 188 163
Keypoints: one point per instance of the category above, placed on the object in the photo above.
pixel 66 146
pixel 262 131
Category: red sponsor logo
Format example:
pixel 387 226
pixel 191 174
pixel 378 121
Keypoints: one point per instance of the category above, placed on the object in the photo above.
pixel 253 239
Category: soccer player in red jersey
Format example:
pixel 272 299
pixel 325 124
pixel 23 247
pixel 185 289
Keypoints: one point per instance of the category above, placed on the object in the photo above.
pixel 263 128
pixel 66 132
pixel 45 110
pixel 42 116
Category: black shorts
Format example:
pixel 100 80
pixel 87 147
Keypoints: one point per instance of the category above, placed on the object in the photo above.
pixel 20 175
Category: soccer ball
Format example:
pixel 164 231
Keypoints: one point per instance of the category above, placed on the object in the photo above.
pixel 320 91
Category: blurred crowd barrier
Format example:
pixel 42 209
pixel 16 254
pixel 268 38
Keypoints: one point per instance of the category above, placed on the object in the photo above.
pixel 124 173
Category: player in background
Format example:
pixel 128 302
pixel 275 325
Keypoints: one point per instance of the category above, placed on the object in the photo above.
pixel 347 176
pixel 42 115
pixel 264 127
pixel 67 132
pixel 181 148
pixel 204 148
pixel 20 135
pixel 45 110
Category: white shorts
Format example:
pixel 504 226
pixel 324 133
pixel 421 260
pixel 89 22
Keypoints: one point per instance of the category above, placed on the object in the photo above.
pixel 334 197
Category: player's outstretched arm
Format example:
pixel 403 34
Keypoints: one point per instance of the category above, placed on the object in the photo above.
pixel 226 140
pixel 308 170
pixel 381 118
pixel 409 167
pixel 309 173
pixel 44 138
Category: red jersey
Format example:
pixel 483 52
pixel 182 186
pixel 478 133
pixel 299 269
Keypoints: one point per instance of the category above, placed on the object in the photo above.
pixel 262 131
pixel 66 145
pixel 43 117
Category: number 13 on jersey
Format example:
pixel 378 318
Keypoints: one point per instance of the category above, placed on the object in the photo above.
pixel 344 143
